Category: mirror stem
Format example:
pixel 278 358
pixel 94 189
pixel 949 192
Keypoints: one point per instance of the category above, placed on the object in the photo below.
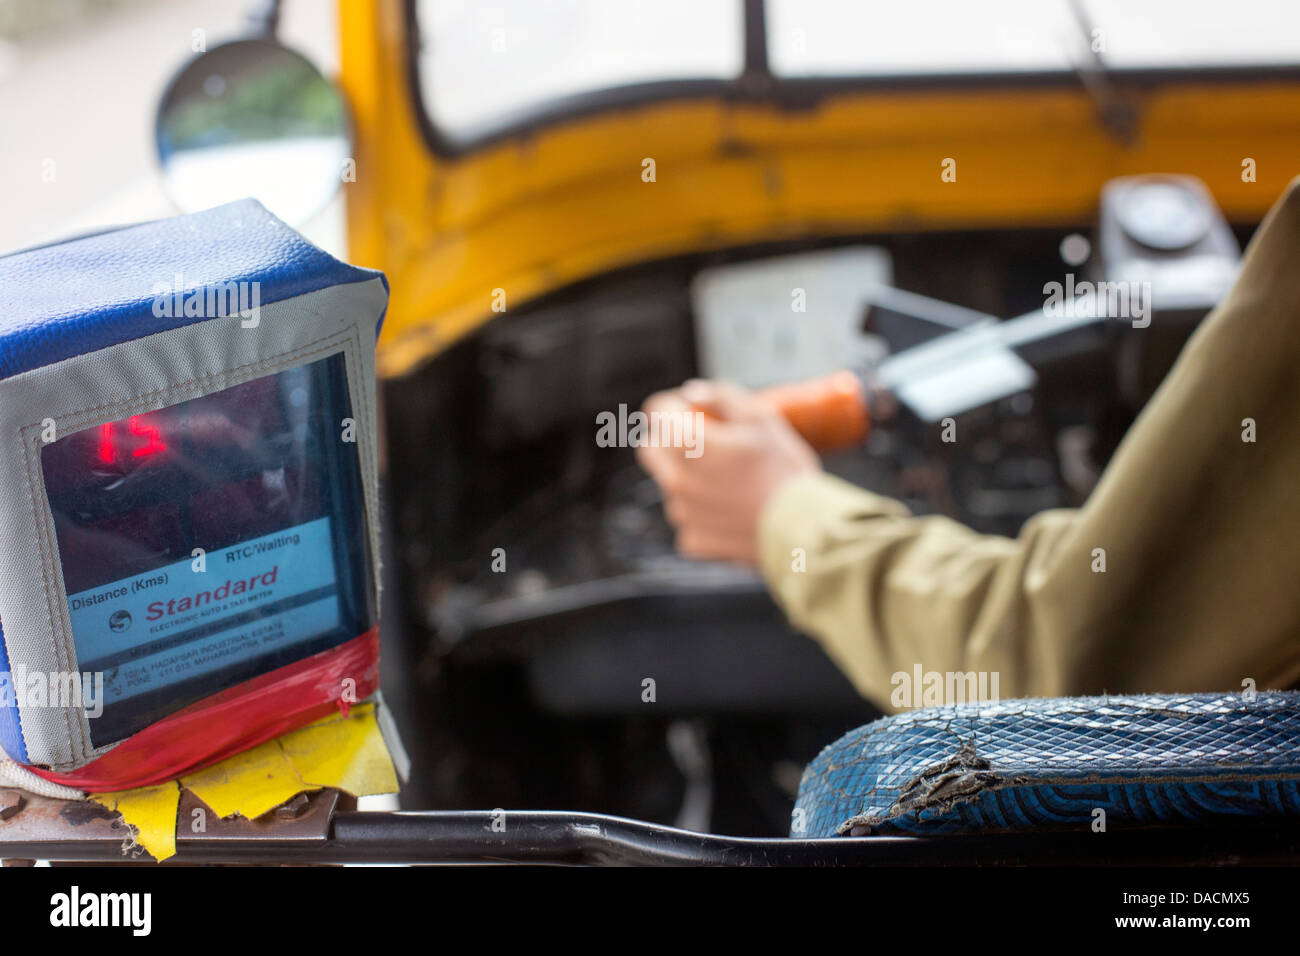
pixel 264 18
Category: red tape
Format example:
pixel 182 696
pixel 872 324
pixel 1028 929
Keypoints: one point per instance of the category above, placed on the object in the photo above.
pixel 234 720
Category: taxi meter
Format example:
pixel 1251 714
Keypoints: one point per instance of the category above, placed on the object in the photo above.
pixel 188 530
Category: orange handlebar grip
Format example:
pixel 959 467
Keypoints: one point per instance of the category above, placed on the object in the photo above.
pixel 830 412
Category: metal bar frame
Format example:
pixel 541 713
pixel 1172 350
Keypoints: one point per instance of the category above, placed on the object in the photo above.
pixel 561 838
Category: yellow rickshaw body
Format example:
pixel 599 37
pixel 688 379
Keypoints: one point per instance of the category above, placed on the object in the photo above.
pixel 538 209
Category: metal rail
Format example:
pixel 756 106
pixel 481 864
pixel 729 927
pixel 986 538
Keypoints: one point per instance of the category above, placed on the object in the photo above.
pixel 311 830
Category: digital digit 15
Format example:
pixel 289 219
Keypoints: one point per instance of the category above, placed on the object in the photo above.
pixel 112 448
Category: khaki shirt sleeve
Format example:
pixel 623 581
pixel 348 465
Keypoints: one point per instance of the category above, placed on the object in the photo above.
pixel 1197 520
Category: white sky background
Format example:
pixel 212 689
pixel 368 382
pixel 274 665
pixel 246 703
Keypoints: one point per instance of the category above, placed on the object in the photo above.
pixel 84 94
pixel 831 37
pixel 484 59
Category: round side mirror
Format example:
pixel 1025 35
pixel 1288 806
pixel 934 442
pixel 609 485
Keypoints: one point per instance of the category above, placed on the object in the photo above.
pixel 252 118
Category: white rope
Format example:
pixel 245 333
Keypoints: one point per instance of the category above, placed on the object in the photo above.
pixel 16 775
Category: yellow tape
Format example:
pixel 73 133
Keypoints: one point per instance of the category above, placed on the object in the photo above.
pixel 152 811
pixel 347 753
pixel 343 752
pixel 249 783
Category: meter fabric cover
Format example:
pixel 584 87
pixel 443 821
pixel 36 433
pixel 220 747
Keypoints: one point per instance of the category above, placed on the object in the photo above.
pixel 1055 762
pixel 189 530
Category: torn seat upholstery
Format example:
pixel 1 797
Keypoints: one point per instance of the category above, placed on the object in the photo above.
pixel 1053 762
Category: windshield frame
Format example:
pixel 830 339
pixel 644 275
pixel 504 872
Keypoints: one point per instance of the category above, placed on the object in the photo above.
pixel 758 85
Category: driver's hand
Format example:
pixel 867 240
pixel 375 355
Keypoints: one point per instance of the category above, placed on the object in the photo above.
pixel 746 451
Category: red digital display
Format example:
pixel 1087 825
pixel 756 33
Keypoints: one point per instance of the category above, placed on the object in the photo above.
pixel 138 440
pixel 257 477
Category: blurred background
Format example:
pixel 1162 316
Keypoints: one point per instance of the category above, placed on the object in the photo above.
pixel 80 82
pixel 578 202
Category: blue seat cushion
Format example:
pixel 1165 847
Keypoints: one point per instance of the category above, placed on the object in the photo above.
pixel 1054 762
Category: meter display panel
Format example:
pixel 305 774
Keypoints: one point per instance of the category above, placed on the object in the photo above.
pixel 208 542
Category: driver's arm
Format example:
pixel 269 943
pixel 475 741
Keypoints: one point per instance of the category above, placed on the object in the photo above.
pixel 1197 529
